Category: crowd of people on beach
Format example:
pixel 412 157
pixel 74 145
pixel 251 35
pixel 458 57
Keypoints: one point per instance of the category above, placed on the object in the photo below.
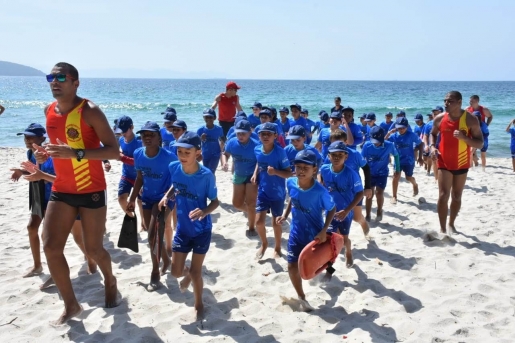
pixel 168 173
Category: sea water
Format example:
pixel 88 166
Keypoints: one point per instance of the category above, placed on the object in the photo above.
pixel 144 99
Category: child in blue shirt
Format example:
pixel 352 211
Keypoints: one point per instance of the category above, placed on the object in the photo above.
pixel 311 125
pixel 354 135
pixel 192 186
pixel 244 193
pixel 151 162
pixel 511 131
pixel 484 149
pixel 284 121
pixel 377 152
pixel 323 140
pixel 323 122
pixel 271 169
pixel 178 128
pixel 170 116
pixel 297 136
pixel 213 138
pixel 404 142
pixel 344 185
pixel 265 116
pixel 308 199
pixel 297 119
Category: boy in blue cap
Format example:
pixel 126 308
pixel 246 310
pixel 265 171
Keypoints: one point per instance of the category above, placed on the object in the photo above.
pixel 486 133
pixel 244 194
pixel 253 118
pixel 404 142
pixel 284 120
pixel 511 131
pixel 40 179
pixel 212 137
pixel 345 186
pixel 271 169
pixel 265 116
pixel 420 125
pixel 128 144
pixel 323 140
pixel 354 135
pixel 297 136
pixel 311 124
pixel 169 116
pixel 323 122
pixel 377 152
pixel 151 162
pixel 298 119
pixel 308 199
pixel 363 127
pixel 387 121
pixel 192 186
pixel 178 128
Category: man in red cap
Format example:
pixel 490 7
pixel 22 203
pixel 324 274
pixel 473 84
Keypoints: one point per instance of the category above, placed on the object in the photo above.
pixel 228 104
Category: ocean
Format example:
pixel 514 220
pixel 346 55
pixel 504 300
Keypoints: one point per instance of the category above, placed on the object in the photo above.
pixel 144 99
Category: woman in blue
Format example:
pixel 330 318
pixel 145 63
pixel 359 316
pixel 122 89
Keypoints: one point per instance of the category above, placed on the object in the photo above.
pixel 212 137
pixel 511 131
pixel 244 192
pixel 377 152
pixel 308 199
pixel 151 163
pixel 345 186
pixel 271 169
pixel 192 186
pixel 404 142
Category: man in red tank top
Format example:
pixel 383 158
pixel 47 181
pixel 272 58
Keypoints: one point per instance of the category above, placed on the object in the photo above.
pixel 76 127
pixel 228 104
pixel 459 131
pixel 486 115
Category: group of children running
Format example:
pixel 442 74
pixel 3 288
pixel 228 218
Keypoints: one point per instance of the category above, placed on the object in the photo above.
pixel 275 170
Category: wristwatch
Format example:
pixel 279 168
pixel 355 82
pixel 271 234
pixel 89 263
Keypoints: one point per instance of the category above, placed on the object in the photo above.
pixel 80 154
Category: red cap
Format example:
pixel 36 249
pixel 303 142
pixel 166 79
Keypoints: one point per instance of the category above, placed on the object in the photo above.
pixel 232 85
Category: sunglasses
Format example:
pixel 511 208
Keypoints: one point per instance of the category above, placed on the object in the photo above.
pixel 59 77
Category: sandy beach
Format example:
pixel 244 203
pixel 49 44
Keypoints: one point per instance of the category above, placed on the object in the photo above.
pixel 407 284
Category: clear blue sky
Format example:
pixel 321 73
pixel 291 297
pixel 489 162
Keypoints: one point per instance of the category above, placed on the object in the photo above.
pixel 280 39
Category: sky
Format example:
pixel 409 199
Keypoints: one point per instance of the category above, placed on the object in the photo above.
pixel 268 39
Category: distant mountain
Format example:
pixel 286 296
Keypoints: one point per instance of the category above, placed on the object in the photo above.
pixel 15 69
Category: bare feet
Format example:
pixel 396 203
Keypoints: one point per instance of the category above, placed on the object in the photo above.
pixel 277 253
pixel 111 293
pixel 415 190
pixel 199 312
pixel 185 283
pixel 452 229
pixel 305 306
pixel 251 232
pixel 393 200
pixel 366 231
pixel 261 251
pixel 155 282
pixel 48 283
pixel 166 265
pixel 92 266
pixel 379 215
pixel 68 313
pixel 34 271
pixel 368 218
pixel 349 261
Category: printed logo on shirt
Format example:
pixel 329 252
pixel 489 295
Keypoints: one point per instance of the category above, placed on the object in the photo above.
pixel 147 171
pixel 182 191
pixel 73 132
pixel 296 204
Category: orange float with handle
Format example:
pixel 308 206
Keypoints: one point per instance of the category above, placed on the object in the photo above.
pixel 315 258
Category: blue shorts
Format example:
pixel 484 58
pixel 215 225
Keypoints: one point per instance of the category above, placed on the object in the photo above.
pixel 149 204
pixel 485 146
pixel 275 206
pixel 512 151
pixel 379 181
pixel 211 162
pixel 294 249
pixel 342 227
pixel 184 244
pixel 124 187
pixel 407 169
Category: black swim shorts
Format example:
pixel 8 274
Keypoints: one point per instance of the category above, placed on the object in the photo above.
pixel 87 200
pixel 456 172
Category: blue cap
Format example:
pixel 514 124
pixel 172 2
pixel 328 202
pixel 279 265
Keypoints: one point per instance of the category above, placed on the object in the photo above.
pixel 124 123
pixel 377 134
pixel 363 116
pixel 401 123
pixel 304 111
pixel 284 109
pixel 169 110
pixel 430 114
pixel 388 114
pixel 240 114
pixel 268 127
pixel 273 110
pixel 306 157
pixel 181 124
pixel 324 116
pixel 419 116
pixel 209 112
pixel 348 109
pixel 370 116
pixel 188 140
pixel 401 113
pixel 149 126
pixel 257 105
pixel 170 117
pixel 242 126
pixel 438 108
pixel 266 112
pixel 338 146
pixel 34 129
pixel 296 132
pixel 297 106
pixel 336 115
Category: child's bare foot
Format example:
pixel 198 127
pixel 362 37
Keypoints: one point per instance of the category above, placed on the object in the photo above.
pixel 185 283
pixel 277 253
pixel 415 189
pixel 34 271
pixel 68 313
pixel 155 282
pixel 393 200
pixel 92 266
pixel 261 251
pixel 251 232
pixel 48 283
pixel 199 312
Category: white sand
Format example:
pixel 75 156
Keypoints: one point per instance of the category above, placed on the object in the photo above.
pixel 452 290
